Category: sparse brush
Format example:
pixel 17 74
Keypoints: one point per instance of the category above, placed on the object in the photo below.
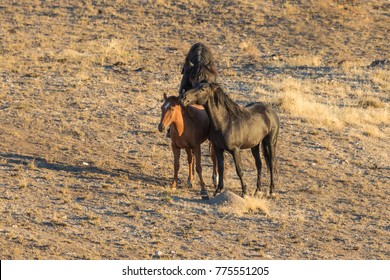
pixel 32 164
pixel 254 204
pixel 381 77
pixel 23 182
pixel 301 60
pixel 304 106
pixel 370 101
pixel 249 49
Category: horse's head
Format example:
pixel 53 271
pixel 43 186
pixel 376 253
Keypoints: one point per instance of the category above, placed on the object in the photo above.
pixel 169 111
pixel 198 95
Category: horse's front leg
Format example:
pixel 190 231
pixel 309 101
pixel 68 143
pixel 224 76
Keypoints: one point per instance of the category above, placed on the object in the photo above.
pixel 198 155
pixel 176 165
pixel 237 160
pixel 190 158
pixel 221 165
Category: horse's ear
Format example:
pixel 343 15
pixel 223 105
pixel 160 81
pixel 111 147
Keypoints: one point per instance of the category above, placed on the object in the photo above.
pixel 165 97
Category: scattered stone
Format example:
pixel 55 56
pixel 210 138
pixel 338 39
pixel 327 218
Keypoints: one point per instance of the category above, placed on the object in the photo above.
pixel 158 254
pixel 378 63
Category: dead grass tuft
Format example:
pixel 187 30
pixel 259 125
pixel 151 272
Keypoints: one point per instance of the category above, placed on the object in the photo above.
pixel 370 101
pixel 304 60
pixel 229 203
pixel 255 204
pixel 249 49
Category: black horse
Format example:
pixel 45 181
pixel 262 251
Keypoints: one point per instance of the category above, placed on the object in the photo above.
pixel 199 66
pixel 234 128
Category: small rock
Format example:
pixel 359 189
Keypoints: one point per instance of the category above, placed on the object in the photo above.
pixel 158 254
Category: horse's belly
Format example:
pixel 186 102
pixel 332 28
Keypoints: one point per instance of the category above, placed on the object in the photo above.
pixel 245 137
pixel 249 143
pixel 188 142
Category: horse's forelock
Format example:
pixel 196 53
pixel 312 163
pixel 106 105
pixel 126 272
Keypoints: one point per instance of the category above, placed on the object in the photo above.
pixel 174 100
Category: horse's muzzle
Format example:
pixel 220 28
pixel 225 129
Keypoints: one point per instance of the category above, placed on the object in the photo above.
pixel 161 127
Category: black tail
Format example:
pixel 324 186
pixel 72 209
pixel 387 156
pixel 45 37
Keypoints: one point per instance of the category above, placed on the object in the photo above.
pixel 269 148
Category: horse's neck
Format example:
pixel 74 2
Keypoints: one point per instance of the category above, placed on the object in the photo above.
pixel 178 122
pixel 218 115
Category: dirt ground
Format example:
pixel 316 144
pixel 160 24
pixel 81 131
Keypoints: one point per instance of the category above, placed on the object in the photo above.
pixel 85 173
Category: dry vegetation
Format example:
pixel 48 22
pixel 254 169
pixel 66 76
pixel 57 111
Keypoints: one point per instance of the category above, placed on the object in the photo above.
pixel 84 171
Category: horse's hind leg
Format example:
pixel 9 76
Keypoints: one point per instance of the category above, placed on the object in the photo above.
pixel 221 165
pixel 203 193
pixel 237 161
pixel 256 155
pixel 190 158
pixel 269 155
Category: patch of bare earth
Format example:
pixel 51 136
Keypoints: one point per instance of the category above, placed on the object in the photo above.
pixel 85 174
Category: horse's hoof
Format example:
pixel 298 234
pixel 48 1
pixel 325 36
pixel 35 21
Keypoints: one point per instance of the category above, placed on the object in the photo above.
pixel 189 184
pixel 244 195
pixel 258 194
pixel 204 194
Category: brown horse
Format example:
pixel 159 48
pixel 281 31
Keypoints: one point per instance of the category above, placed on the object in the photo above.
pixel 189 128
pixel 199 66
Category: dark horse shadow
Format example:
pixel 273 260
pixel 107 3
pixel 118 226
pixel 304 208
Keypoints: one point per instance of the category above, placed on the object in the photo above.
pixel 80 171
pixel 44 164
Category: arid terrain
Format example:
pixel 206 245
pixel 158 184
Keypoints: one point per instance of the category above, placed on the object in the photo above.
pixel 85 173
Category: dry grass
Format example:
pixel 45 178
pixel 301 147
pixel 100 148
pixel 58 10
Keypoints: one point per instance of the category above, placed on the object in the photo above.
pixel 300 99
pixel 229 203
pixel 84 171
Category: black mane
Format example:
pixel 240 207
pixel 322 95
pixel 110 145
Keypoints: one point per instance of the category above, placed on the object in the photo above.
pixel 223 99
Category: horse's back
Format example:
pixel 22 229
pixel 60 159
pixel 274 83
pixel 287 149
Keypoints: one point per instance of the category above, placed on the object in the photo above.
pixel 258 107
pixel 268 114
